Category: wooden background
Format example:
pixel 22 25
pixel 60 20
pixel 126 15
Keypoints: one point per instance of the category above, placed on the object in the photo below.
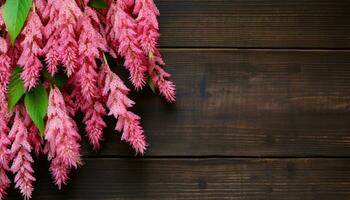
pixel 262 111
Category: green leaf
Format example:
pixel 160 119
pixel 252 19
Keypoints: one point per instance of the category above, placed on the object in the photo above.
pixel 59 79
pixel 151 85
pixel 15 13
pixel 99 4
pixel 15 88
pixel 36 102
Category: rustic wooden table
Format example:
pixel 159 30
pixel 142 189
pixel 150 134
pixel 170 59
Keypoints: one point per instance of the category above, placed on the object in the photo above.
pixel 262 111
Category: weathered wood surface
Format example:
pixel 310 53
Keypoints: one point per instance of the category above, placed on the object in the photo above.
pixel 108 178
pixel 255 23
pixel 247 103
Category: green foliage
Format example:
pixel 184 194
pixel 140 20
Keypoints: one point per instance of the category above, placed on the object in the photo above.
pixel 151 85
pixel 15 88
pixel 36 99
pixel 59 79
pixel 36 103
pixel 15 13
pixel 99 4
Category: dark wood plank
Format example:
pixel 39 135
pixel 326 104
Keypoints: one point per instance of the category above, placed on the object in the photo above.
pixel 247 103
pixel 255 23
pixel 106 179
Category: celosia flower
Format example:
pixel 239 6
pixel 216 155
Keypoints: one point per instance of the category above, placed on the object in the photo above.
pixel 90 43
pixel 118 104
pixel 62 139
pixel 35 139
pixel 72 34
pixel 93 120
pixel 75 100
pixel 40 6
pixel 4 161
pixel 4 145
pixel 33 135
pixel 5 65
pixel 147 25
pixel 92 109
pixel 147 29
pixel 159 78
pixel 31 46
pixel 5 70
pixel 20 151
pixel 125 29
pixel 4 180
pixel 109 31
pixel 5 60
pixel 61 47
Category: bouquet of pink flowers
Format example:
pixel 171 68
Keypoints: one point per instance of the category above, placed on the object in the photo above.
pixel 53 63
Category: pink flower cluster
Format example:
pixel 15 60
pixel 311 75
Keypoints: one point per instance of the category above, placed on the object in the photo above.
pixel 118 103
pixel 62 138
pixel 72 37
pixel 21 154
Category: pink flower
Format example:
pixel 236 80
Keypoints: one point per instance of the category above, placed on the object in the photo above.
pixel 1 19
pixel 147 25
pixel 4 182
pixel 40 6
pixel 4 145
pixel 125 29
pixel 3 45
pixel 61 46
pixel 5 60
pixel 4 162
pixel 22 160
pixel 72 34
pixel 93 120
pixel 31 46
pixel 91 43
pixel 35 139
pixel 147 29
pixel 62 139
pixel 87 77
pixel 52 60
pixel 109 31
pixel 5 71
pixel 5 65
pixel 59 172
pixel 92 109
pixel 159 78
pixel 118 103
pixel 74 101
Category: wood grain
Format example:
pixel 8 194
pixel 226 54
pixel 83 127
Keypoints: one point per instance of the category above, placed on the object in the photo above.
pixel 255 23
pixel 246 103
pixel 107 179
